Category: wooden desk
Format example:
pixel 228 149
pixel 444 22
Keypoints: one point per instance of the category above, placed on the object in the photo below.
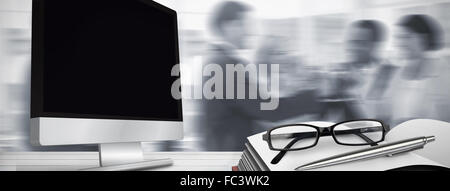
pixel 72 161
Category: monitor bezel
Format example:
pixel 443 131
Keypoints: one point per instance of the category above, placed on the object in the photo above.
pixel 48 131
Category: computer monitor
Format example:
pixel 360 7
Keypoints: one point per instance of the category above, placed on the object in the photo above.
pixel 101 74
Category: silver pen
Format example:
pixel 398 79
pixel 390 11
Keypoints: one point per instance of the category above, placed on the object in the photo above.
pixel 372 152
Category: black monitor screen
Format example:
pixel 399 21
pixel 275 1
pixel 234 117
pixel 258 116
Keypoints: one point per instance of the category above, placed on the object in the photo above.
pixel 108 59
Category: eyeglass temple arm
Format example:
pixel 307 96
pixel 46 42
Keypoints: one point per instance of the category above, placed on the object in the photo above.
pixel 359 134
pixel 281 154
pixel 367 139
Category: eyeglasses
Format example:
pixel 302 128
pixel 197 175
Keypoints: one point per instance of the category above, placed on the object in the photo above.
pixel 296 137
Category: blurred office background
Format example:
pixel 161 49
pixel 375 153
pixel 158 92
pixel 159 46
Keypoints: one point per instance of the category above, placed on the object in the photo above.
pixel 313 30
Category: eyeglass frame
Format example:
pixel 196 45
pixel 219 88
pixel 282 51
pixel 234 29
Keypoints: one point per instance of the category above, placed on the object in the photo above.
pixel 321 131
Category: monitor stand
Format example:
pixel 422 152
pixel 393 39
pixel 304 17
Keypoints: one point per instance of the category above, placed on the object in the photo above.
pixel 120 153
pixel 126 156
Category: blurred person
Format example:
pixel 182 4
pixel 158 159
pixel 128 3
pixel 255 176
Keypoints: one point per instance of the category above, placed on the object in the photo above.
pixel 15 82
pixel 227 123
pixel 420 88
pixel 4 133
pixel 354 87
pixel 364 40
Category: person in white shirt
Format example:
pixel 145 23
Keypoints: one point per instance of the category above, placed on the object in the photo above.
pixel 420 88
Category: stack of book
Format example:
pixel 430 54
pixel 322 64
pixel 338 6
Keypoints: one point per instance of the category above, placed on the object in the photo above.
pixel 251 161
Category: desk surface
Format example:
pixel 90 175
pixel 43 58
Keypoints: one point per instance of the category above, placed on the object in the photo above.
pixel 72 161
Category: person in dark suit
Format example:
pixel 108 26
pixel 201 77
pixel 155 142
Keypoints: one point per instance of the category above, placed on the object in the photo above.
pixel 226 123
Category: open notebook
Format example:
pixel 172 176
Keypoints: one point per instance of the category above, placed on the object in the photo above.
pixel 434 154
